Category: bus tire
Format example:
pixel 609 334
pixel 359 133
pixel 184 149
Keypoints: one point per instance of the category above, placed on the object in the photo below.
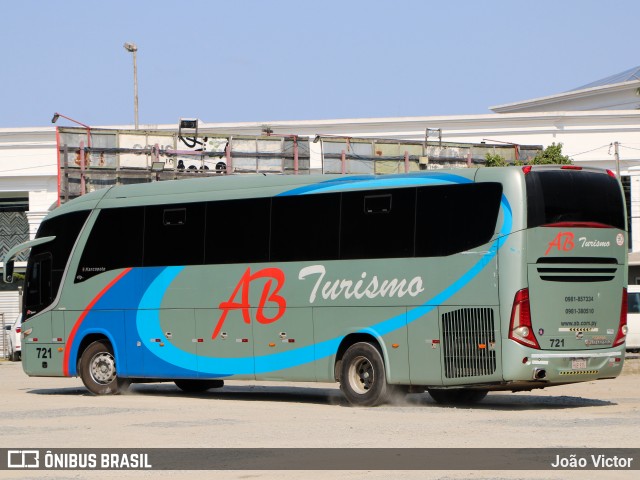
pixel 457 396
pixel 362 376
pixel 198 386
pixel 98 370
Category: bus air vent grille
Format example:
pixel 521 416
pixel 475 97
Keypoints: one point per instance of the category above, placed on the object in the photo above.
pixel 468 342
pixel 577 274
pixel 579 260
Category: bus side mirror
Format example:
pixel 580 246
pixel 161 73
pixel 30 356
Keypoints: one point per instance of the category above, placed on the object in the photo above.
pixel 8 272
pixel 11 254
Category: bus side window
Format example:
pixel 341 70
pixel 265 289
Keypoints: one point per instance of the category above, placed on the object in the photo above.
pixel 174 235
pixel 378 224
pixel 116 230
pixel 237 231
pixel 305 227
pixel 454 218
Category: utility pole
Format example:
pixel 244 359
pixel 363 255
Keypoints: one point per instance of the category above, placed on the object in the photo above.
pixel 616 156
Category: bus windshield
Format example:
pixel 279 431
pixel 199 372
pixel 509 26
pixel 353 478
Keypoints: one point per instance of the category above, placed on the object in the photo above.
pixel 556 197
pixel 48 261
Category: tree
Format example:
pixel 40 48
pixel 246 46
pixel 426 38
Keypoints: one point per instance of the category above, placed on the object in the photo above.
pixel 551 155
pixel 495 160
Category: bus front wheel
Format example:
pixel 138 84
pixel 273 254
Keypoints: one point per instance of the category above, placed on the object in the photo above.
pixel 362 376
pixel 98 370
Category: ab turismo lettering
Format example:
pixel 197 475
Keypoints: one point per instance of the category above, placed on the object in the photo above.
pixel 593 243
pixel 332 289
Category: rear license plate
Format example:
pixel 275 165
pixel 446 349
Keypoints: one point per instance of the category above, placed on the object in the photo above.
pixel 578 363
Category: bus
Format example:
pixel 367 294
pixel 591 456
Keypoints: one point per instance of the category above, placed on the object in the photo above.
pixel 455 282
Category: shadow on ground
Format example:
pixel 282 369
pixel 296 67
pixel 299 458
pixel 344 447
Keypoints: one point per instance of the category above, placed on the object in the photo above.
pixel 328 396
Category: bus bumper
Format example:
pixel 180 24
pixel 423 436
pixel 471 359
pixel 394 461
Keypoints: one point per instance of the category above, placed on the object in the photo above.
pixel 560 367
pixel 42 359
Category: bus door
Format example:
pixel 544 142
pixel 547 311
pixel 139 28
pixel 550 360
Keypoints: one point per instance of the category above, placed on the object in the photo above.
pixel 37 347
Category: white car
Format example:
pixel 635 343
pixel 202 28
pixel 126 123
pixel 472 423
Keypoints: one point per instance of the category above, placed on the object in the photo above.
pixel 633 317
pixel 14 344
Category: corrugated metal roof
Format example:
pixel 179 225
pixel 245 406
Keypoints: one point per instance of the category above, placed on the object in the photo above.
pixel 626 76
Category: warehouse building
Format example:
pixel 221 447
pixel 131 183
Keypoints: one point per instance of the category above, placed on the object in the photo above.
pixel 598 125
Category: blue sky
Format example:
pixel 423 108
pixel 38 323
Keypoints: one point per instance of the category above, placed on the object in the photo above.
pixel 235 61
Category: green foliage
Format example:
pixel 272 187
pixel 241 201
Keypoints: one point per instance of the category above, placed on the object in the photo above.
pixel 549 156
pixel 495 160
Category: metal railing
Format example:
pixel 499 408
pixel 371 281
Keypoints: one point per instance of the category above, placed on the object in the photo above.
pixel 4 338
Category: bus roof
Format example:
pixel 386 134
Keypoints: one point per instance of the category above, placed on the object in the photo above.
pixel 245 186
pixel 259 185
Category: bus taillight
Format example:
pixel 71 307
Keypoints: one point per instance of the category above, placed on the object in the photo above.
pixel 570 167
pixel 520 329
pixel 622 328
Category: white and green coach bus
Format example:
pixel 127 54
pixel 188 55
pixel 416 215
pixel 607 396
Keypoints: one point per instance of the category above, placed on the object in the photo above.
pixel 453 282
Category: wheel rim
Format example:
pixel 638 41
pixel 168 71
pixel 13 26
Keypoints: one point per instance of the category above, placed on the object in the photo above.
pixel 103 368
pixel 361 375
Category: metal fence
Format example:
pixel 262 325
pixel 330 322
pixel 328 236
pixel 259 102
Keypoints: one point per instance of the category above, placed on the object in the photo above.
pixel 90 159
pixel 4 338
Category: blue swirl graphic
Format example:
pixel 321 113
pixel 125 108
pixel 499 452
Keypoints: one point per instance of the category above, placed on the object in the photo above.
pixel 148 321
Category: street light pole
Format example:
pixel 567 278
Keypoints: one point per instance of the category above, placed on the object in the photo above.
pixel 57 115
pixel 133 48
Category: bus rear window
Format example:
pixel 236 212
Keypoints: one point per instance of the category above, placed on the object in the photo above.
pixel 561 196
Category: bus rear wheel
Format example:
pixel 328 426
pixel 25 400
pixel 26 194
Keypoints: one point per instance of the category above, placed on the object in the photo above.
pixel 362 376
pixel 457 396
pixel 198 386
pixel 98 370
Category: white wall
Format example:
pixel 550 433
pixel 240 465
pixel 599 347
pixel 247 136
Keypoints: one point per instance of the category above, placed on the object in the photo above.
pixel 28 159
pixel 29 163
